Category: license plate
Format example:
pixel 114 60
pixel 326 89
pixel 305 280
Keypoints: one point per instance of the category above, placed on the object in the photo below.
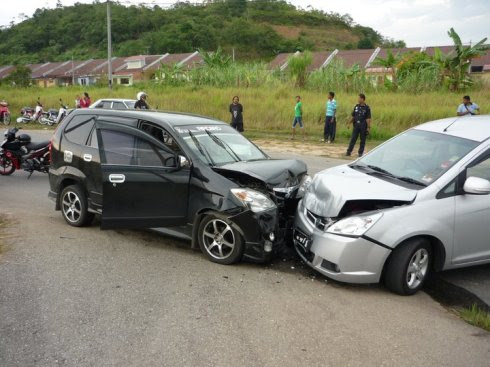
pixel 301 239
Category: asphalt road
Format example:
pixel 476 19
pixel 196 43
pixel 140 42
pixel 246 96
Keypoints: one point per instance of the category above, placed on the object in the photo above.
pixel 86 297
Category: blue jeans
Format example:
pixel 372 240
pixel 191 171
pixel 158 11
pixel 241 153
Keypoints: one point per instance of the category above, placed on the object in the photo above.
pixel 298 120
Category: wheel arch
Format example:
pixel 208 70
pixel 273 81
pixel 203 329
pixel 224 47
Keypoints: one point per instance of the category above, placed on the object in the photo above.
pixel 438 251
pixel 67 181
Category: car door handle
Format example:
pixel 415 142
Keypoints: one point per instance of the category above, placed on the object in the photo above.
pixel 117 178
pixel 87 157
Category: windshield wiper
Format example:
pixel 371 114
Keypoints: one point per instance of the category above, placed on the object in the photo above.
pixel 223 145
pixel 201 149
pixel 411 180
pixel 400 178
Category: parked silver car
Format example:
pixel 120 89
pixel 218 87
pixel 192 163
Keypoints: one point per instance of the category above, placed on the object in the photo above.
pixel 417 203
pixel 114 104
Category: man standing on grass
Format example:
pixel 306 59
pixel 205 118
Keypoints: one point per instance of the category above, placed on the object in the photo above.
pixel 298 117
pixel 236 110
pixel 468 108
pixel 361 120
pixel 330 122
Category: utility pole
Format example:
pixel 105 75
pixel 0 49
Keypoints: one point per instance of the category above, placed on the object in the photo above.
pixel 72 72
pixel 109 45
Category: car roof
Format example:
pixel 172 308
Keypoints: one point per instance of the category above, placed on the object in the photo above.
pixel 116 100
pixel 170 118
pixel 475 128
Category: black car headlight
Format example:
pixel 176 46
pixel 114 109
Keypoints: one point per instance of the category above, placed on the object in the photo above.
pixel 254 200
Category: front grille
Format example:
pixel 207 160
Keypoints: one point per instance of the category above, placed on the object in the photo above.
pixel 308 255
pixel 319 222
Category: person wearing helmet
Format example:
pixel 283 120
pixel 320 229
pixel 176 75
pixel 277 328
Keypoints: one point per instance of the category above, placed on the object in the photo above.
pixel 141 102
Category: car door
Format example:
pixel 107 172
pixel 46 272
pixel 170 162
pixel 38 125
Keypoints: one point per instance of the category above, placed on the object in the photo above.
pixel 143 186
pixel 472 218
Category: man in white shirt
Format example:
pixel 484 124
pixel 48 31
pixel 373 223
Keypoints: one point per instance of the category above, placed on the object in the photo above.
pixel 468 108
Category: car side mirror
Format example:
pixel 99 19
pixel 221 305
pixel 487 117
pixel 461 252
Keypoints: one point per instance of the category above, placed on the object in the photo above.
pixel 183 162
pixel 476 186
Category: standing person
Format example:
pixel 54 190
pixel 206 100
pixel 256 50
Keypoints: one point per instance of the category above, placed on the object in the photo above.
pixel 468 108
pixel 77 101
pixel 141 103
pixel 361 120
pixel 236 110
pixel 85 102
pixel 298 118
pixel 330 119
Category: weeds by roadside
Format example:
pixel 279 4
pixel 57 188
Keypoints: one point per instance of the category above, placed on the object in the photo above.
pixel 476 316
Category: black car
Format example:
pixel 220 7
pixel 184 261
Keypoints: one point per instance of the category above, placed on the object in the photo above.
pixel 181 174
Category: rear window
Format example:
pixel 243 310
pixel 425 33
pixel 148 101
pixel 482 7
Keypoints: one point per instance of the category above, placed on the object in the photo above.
pixel 79 128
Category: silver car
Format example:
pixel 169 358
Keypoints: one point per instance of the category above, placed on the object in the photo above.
pixel 114 104
pixel 417 203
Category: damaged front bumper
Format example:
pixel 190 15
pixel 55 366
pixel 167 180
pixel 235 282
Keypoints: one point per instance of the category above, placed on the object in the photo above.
pixel 260 232
pixel 342 258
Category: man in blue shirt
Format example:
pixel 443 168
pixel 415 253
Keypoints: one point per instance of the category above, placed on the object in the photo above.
pixel 330 122
pixel 468 108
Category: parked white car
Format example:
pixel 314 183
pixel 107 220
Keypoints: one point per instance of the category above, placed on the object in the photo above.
pixel 114 104
pixel 417 203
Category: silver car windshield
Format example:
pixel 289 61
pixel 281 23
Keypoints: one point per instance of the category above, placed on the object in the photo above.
pixel 217 145
pixel 417 157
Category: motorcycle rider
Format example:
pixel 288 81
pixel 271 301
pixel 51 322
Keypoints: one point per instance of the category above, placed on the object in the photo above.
pixel 141 101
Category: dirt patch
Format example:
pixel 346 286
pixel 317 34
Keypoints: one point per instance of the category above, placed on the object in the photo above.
pixel 307 147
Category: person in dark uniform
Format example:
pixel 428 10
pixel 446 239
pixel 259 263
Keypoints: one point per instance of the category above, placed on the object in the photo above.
pixel 236 110
pixel 361 120
pixel 141 102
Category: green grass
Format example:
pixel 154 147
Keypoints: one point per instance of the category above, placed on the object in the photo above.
pixel 477 317
pixel 269 109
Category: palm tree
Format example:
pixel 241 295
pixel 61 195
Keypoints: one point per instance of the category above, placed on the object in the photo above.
pixel 456 64
pixel 390 63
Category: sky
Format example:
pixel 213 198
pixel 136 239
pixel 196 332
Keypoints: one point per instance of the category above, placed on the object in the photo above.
pixel 417 22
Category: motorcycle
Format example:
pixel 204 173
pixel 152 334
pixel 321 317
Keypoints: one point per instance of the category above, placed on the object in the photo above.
pixel 4 113
pixel 18 152
pixel 26 115
pixel 54 116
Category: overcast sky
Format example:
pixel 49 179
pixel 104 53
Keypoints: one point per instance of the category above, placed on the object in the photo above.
pixel 417 22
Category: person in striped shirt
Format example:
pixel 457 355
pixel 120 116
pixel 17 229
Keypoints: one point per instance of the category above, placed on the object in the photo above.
pixel 330 122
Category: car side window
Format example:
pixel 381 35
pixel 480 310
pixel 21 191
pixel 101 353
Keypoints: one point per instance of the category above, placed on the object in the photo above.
pixel 125 149
pixel 118 106
pixel 480 169
pixel 160 134
pixel 93 139
pixel 79 128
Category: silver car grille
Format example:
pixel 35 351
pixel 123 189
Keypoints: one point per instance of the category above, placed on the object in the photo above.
pixel 317 221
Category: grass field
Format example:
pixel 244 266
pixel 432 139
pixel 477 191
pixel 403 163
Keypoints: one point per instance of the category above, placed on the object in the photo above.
pixel 269 110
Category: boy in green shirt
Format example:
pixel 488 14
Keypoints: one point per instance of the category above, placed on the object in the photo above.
pixel 298 117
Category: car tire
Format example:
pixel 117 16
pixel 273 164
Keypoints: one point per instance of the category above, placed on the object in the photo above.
pixel 73 204
pixel 219 241
pixel 408 267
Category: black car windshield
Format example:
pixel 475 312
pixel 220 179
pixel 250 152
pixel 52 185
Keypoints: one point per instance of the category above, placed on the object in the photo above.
pixel 219 144
pixel 417 157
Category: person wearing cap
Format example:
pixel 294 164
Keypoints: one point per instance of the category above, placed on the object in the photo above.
pixel 468 108
pixel 361 120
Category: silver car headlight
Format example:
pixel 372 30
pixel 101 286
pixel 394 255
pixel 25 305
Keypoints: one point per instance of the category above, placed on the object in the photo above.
pixel 354 226
pixel 254 200
pixel 303 186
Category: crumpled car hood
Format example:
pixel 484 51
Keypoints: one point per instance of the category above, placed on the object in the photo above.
pixel 332 188
pixel 274 172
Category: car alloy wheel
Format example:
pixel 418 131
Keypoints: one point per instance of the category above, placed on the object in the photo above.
pixel 417 268
pixel 71 206
pixel 218 239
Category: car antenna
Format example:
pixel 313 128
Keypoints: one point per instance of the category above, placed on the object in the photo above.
pixel 451 124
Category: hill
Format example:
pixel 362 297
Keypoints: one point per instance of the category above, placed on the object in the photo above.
pixel 255 29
